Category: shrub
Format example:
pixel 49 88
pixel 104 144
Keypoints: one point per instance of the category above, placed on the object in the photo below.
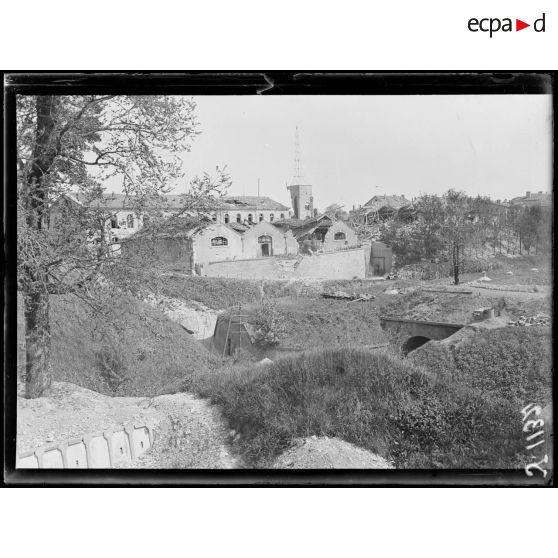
pixel 374 400
pixel 513 363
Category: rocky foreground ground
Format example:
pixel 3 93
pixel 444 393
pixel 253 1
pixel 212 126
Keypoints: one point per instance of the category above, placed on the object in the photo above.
pixel 189 432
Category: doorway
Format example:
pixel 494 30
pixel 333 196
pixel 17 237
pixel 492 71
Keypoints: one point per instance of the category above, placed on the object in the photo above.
pixel 266 243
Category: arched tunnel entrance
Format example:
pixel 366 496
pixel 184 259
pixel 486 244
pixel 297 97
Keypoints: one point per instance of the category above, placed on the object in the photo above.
pixel 413 343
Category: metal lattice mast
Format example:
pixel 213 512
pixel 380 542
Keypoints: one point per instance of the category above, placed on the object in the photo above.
pixel 297 179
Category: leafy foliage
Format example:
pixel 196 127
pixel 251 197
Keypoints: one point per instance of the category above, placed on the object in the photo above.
pixel 374 400
pixel 68 147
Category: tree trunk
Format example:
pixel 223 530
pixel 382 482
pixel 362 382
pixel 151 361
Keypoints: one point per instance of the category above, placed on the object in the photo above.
pixel 456 265
pixel 37 325
pixel 37 344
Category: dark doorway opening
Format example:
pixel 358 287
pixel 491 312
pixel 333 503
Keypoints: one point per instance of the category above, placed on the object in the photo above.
pixel 379 265
pixel 414 343
pixel 265 241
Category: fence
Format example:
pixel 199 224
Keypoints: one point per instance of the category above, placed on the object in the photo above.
pixel 91 451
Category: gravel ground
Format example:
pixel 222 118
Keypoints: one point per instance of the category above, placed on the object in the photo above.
pixel 189 433
pixel 328 453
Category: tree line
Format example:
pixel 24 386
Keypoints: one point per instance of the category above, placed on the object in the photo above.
pixel 455 226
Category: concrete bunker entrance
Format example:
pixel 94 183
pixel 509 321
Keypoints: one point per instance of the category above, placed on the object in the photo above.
pixel 414 343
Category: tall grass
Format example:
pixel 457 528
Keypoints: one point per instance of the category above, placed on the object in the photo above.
pixel 514 363
pixel 374 400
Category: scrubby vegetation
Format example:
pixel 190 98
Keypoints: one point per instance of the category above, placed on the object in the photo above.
pixel 133 350
pixel 219 293
pixel 514 363
pixel 374 400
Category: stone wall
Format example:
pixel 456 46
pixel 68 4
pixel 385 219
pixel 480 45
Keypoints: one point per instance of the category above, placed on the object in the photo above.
pixel 91 451
pixel 345 264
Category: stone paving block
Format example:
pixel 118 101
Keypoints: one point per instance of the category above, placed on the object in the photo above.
pixel 120 447
pixel 99 453
pixel 53 459
pixel 141 441
pixel 27 460
pixel 76 456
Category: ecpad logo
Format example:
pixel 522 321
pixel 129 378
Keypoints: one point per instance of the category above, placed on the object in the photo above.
pixel 493 25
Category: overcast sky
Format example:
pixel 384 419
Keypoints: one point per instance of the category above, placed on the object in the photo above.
pixel 354 147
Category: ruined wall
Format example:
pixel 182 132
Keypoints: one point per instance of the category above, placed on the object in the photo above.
pixel 204 252
pixel 283 241
pixel 350 239
pixel 345 264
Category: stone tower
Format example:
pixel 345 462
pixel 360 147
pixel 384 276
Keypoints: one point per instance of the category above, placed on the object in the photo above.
pixel 302 201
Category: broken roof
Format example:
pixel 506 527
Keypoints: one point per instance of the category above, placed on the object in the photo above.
pixel 252 202
pixel 173 227
pixel 112 200
pixel 302 227
pixel 377 202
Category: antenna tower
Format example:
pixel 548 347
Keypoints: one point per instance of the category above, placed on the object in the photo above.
pixel 297 179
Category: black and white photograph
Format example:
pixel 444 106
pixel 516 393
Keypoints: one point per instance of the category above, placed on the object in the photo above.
pixel 280 283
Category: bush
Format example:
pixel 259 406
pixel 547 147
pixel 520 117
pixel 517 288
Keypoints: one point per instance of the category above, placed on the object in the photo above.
pixel 513 363
pixel 374 400
pixel 133 351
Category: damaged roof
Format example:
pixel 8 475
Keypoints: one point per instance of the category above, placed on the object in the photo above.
pixel 173 227
pixel 377 202
pixel 252 202
pixel 112 200
pixel 302 227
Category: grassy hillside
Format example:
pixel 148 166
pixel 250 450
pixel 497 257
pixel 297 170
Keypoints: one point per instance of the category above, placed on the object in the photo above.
pixel 219 293
pixel 314 323
pixel 515 363
pixel 133 350
pixel 376 401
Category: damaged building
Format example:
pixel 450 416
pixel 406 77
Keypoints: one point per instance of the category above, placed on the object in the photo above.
pixel 189 244
pixel 321 234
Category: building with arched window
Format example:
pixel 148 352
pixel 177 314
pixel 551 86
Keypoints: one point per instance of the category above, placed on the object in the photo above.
pixel 322 234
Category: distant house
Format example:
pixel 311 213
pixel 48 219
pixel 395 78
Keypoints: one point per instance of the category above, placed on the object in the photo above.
pixel 190 244
pixel 382 208
pixel 531 199
pixel 116 210
pixel 249 209
pixel 322 234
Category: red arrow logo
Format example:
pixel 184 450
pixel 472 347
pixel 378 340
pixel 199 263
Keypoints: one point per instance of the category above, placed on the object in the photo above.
pixel 519 25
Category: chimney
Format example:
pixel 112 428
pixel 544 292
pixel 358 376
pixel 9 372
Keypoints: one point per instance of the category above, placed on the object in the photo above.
pixel 528 195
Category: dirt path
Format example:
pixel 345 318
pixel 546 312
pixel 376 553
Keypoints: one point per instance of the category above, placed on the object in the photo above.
pixel 189 432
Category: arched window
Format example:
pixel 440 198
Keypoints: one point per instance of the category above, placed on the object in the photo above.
pixel 249 218
pixel 271 217
pixel 219 241
pixel 114 222
pixel 238 218
pixel 130 221
pixel 282 215
pixel 339 236
pixel 226 217
pixel 261 217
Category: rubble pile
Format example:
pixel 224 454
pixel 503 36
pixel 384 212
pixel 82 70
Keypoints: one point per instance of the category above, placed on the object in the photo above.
pixel 342 295
pixel 539 319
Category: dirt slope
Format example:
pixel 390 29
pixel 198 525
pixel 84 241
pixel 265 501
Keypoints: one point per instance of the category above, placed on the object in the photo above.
pixel 328 453
pixel 189 433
